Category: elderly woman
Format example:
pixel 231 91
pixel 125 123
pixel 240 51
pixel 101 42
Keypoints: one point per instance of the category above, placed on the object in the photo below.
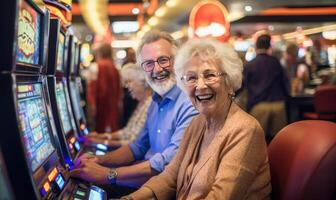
pixel 223 153
pixel 134 80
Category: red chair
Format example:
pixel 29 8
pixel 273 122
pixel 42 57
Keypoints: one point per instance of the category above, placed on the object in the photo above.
pixel 302 159
pixel 324 104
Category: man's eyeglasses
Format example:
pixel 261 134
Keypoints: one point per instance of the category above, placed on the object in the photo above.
pixel 209 77
pixel 163 61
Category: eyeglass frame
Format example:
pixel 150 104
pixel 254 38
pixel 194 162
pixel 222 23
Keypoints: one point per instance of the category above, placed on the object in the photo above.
pixel 157 61
pixel 217 75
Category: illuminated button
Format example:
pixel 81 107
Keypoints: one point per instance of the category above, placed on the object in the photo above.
pixel 72 140
pixel 80 193
pixel 46 186
pixel 52 174
pixel 159 131
pixel 60 181
pixel 101 147
pixel 82 126
pixel 77 145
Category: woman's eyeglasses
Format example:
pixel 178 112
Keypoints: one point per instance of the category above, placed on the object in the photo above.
pixel 209 77
pixel 163 61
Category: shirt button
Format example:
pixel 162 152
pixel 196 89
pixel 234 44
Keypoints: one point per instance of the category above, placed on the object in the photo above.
pixel 159 131
pixel 161 109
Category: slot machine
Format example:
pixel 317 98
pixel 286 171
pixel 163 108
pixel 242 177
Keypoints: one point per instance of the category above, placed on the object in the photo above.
pixel 27 137
pixel 59 95
pixel 74 85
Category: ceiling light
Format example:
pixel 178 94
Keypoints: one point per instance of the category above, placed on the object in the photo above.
pixel 329 35
pixel 214 29
pixel 248 8
pixel 161 11
pixel 135 11
pixel 121 54
pixel 320 29
pixel 153 21
pixel 171 3
pixel 146 4
pixel 146 28
pixel 125 26
pixel 235 15
pixel 124 43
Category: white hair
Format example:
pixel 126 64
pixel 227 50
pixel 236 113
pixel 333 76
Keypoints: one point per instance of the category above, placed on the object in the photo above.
pixel 209 49
pixel 153 36
pixel 132 71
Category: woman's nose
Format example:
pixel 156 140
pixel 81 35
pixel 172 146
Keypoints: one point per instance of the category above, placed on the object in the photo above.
pixel 200 83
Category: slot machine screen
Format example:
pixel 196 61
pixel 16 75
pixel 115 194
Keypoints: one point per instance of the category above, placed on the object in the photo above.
pixel 76 63
pixel 29 35
pixel 75 96
pixel 62 106
pixel 60 53
pixel 34 125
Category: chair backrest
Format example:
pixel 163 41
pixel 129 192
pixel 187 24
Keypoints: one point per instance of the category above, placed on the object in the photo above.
pixel 325 99
pixel 302 160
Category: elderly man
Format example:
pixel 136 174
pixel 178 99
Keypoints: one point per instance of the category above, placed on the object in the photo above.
pixel 168 115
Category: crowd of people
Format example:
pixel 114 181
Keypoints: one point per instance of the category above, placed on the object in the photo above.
pixel 185 135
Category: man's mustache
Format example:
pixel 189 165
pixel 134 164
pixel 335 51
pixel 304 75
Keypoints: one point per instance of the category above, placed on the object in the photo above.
pixel 162 73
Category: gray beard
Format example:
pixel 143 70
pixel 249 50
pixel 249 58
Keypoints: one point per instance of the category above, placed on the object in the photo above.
pixel 164 87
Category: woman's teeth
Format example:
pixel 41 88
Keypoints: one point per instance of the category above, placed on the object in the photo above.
pixel 204 97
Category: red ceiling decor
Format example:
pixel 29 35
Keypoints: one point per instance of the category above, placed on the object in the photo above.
pixel 210 19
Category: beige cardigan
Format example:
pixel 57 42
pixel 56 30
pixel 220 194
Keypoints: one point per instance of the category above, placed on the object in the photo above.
pixel 234 166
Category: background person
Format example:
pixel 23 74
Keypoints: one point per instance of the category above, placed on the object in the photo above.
pixel 104 93
pixel 129 103
pixel 223 154
pixel 267 88
pixel 134 80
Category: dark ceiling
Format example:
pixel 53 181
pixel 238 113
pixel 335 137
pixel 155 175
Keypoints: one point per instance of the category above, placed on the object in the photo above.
pixel 178 17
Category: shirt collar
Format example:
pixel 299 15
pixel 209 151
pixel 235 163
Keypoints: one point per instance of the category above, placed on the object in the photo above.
pixel 172 94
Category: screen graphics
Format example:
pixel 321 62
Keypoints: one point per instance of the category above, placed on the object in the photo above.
pixel 62 107
pixel 60 53
pixel 75 96
pixel 29 35
pixel 34 125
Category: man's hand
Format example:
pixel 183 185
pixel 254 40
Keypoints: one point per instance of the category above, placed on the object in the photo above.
pixel 85 158
pixel 91 172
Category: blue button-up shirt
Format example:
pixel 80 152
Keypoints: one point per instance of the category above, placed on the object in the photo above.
pixel 166 120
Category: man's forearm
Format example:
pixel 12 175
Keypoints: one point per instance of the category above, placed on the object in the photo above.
pixel 135 175
pixel 121 156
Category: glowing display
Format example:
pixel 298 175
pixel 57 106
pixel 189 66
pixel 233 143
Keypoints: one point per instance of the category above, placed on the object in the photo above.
pixel 60 181
pixel 95 193
pixel 34 124
pixel 62 107
pixel 75 96
pixel 60 53
pixel 76 62
pixel 29 35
